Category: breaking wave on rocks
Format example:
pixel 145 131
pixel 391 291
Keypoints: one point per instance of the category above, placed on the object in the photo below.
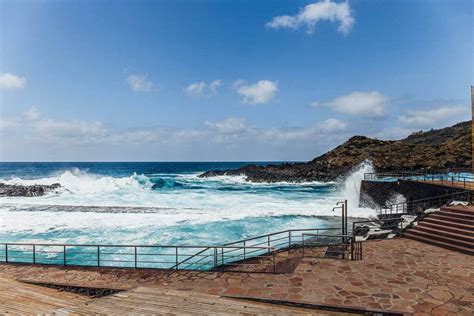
pixel 145 207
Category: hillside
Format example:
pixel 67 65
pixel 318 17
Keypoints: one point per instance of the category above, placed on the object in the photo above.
pixel 448 147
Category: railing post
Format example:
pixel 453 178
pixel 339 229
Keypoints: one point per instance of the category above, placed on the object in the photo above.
pixel 176 252
pixel 302 239
pixel 98 256
pixel 135 257
pixel 352 247
pixel 268 243
pixel 222 256
pixel 345 216
pixel 245 250
pixel 274 264
pixel 215 257
pixel 6 253
pixel 64 255
pixel 34 254
pixel 289 239
pixel 343 219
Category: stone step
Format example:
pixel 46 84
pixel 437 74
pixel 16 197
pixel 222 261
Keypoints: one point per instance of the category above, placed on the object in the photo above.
pixel 445 233
pixel 450 218
pixel 441 244
pixel 457 215
pixel 442 222
pixel 458 210
pixel 436 237
pixel 446 227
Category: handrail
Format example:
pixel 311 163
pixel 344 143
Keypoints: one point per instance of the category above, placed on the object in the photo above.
pixel 154 256
pixel 433 176
pixel 428 202
pixel 434 197
pixel 279 232
pixel 129 254
pixel 116 246
pixel 355 249
pixel 189 258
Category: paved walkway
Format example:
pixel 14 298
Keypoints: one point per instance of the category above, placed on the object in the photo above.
pixel 396 275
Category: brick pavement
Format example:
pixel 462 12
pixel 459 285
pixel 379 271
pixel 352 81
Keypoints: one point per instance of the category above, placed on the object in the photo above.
pixel 396 275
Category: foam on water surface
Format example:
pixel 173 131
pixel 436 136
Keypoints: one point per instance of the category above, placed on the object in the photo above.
pixel 169 206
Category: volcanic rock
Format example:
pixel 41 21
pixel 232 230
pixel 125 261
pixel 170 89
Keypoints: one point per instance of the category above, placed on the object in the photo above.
pixel 26 190
pixel 448 147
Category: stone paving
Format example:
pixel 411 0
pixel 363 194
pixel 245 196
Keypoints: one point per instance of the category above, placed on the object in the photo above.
pixel 396 275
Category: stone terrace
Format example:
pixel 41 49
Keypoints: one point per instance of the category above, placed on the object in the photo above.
pixel 398 275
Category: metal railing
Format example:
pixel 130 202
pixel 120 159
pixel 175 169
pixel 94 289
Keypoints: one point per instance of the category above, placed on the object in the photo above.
pixel 126 256
pixel 260 249
pixel 461 178
pixel 252 252
pixel 415 206
pixel 333 246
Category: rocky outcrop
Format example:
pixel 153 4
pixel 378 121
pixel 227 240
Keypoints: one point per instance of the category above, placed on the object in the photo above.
pixel 26 190
pixel 436 149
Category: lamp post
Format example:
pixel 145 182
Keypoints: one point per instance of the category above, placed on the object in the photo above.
pixel 472 127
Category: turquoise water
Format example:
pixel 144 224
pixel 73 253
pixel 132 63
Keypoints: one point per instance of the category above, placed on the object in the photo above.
pixel 163 203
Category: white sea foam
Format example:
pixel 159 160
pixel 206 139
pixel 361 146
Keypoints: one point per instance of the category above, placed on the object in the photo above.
pixel 81 182
pixel 208 200
pixel 351 184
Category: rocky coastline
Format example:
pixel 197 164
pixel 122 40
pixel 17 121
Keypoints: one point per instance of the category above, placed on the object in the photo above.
pixel 431 150
pixel 27 190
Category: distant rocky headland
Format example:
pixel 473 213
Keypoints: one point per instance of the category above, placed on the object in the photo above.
pixel 26 190
pixel 448 147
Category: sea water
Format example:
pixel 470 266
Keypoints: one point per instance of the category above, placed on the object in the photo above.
pixel 164 203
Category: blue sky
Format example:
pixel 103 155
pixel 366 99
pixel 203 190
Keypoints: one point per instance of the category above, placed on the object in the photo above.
pixel 226 80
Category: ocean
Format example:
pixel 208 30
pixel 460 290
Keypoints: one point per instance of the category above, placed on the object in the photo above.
pixel 164 203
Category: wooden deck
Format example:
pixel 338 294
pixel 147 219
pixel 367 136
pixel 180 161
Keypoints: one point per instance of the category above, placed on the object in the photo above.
pixel 17 298
pixel 156 301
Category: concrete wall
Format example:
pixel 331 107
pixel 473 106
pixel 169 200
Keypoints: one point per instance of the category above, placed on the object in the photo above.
pixel 380 193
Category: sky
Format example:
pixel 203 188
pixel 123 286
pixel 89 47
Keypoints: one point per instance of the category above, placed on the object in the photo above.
pixel 244 80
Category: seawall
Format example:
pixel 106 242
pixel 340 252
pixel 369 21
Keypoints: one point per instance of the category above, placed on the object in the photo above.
pixel 381 193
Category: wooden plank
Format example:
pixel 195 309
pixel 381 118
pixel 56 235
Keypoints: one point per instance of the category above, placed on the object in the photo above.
pixel 161 301
pixel 23 299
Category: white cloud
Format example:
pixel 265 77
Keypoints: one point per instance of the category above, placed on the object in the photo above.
pixel 214 85
pixel 331 125
pixel 70 130
pixel 319 131
pixel 140 83
pixel 261 92
pixel 230 125
pixel 370 104
pixel 8 124
pixel 61 131
pixel 421 118
pixel 32 114
pixel 11 81
pixel 201 89
pixel 313 13
pixel 34 136
pixel 237 83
